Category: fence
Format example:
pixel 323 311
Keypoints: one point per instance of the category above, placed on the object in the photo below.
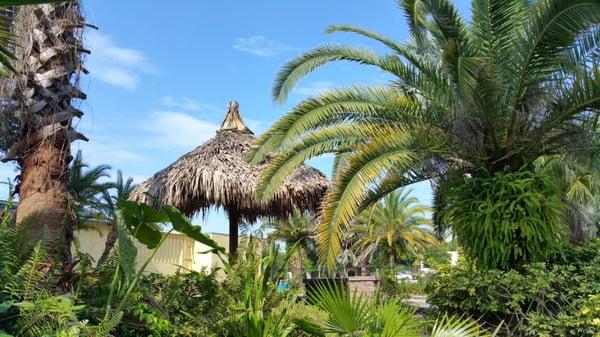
pixel 177 252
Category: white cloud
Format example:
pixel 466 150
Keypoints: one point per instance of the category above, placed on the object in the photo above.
pixel 313 89
pixel 260 45
pixel 188 104
pixel 177 130
pixel 116 65
pixel 100 150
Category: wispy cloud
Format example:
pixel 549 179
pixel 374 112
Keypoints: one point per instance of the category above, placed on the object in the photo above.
pixel 176 130
pixel 313 89
pixel 116 65
pixel 260 45
pixel 104 150
pixel 188 104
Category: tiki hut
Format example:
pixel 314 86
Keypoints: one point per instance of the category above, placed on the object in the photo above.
pixel 216 174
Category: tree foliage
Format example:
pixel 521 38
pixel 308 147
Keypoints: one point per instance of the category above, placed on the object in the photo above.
pixel 519 82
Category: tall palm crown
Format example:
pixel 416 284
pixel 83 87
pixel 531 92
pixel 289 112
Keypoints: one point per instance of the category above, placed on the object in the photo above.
pixel 395 226
pixel 297 228
pixel 85 187
pixel 519 82
pixel 117 192
pixel 296 231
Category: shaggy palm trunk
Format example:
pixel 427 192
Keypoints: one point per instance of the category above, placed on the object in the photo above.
pixel 111 239
pixel 297 265
pixel 49 61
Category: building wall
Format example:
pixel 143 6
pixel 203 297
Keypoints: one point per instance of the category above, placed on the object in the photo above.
pixel 177 252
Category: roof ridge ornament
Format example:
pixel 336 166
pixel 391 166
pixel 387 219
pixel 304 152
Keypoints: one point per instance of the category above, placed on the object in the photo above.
pixel 233 120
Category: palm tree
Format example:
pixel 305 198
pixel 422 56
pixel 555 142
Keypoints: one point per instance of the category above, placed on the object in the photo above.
pixel 84 196
pixel 110 201
pixel 296 231
pixel 39 106
pixel 520 82
pixel 397 225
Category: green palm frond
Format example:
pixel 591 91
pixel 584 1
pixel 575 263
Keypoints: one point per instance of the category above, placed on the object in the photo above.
pixel 553 25
pixel 328 140
pixel 299 67
pixel 397 149
pixel 457 327
pixel 336 106
pixel 391 320
pixel 449 22
pixel 415 12
pixel 393 45
pixel 348 313
pixel 582 94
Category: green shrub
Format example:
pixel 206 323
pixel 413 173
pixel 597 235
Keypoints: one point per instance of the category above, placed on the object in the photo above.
pixel 507 219
pixel 194 302
pixel 553 299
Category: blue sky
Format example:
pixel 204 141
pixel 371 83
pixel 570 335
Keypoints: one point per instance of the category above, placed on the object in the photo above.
pixel 162 75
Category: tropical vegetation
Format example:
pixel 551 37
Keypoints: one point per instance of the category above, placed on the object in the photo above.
pixel 393 227
pixel 498 112
pixel 464 100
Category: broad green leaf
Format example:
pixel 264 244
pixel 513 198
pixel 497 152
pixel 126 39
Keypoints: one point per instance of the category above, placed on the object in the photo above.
pixel 183 225
pixel 4 306
pixel 139 219
pixel 126 248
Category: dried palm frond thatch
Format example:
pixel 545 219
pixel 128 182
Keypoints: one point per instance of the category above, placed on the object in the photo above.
pixel 216 174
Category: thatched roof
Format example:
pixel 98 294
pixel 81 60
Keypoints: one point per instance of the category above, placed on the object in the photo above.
pixel 215 174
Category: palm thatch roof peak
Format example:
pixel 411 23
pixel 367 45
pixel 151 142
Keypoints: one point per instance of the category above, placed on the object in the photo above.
pixel 233 120
pixel 216 174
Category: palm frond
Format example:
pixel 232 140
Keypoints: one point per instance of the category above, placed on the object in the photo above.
pixel 553 26
pixel 336 106
pixel 397 150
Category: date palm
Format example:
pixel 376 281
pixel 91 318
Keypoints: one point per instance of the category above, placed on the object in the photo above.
pixel 397 225
pixel 296 231
pixel 111 197
pixel 84 200
pixel 519 82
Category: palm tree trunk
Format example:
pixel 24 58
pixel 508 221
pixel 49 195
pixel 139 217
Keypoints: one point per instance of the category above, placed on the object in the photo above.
pixel 234 221
pixel 111 239
pixel 297 267
pixel 392 261
pixel 43 192
pixel 48 64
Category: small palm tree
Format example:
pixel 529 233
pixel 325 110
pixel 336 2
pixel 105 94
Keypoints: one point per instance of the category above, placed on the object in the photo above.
pixel 296 231
pixel 397 225
pixel 518 82
pixel 120 189
pixel 84 195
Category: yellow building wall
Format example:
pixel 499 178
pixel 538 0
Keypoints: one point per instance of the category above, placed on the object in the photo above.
pixel 177 252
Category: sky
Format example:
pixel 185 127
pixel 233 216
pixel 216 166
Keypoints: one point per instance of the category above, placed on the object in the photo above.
pixel 161 75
